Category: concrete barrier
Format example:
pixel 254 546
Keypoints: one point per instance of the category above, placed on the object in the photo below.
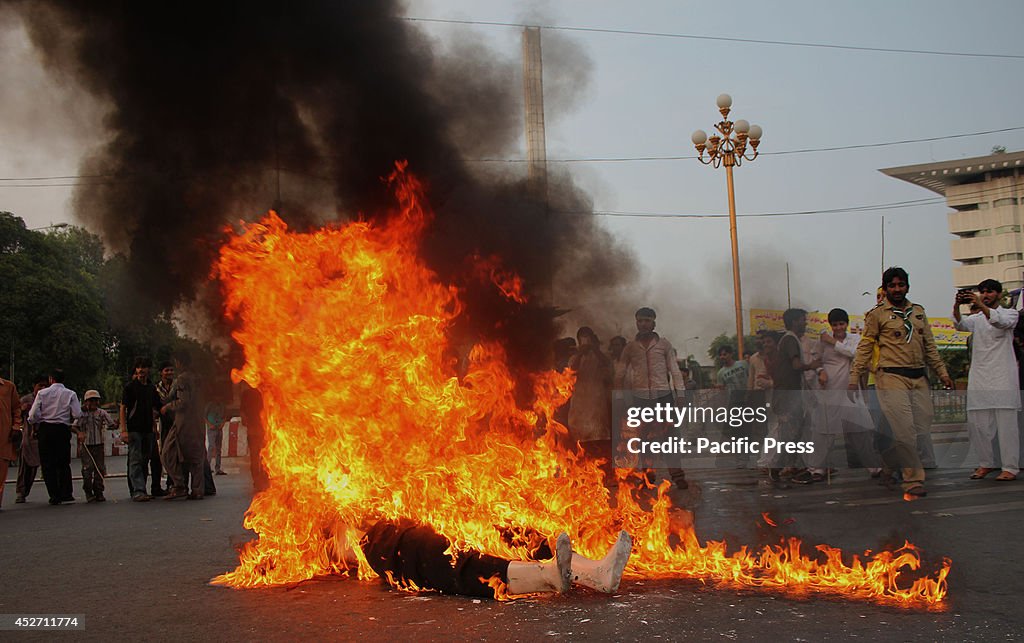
pixel 236 442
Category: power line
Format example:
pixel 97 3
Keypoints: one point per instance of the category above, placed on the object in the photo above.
pixel 886 144
pixel 44 185
pixel 874 207
pixel 619 159
pixel 56 178
pixel 836 148
pixel 894 205
pixel 681 215
pixel 660 34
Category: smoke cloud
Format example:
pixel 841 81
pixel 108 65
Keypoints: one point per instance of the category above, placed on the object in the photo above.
pixel 212 105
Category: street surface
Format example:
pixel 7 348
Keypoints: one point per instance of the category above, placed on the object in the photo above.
pixel 139 571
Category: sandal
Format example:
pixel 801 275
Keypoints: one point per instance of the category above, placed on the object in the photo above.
pixel 981 472
pixel 917 491
pixel 1005 476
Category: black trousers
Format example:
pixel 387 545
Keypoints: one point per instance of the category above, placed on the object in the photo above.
pixel 55 459
pixel 407 552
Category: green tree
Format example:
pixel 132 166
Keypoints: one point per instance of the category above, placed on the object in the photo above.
pixel 53 306
pixel 957 359
pixel 750 344
pixel 67 306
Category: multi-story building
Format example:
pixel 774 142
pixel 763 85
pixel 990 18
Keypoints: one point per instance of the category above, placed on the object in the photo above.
pixel 986 194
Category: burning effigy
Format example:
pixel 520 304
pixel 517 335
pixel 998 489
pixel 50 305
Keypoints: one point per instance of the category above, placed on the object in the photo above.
pixel 345 332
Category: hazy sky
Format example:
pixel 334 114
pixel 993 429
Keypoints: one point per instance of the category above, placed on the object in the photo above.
pixel 643 96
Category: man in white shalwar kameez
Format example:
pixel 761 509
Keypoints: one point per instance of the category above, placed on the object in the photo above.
pixel 837 414
pixel 993 396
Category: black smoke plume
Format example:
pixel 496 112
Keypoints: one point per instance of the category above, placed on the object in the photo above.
pixel 212 105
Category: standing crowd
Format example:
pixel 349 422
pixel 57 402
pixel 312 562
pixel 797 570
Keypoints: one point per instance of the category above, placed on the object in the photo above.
pixel 869 391
pixel 166 427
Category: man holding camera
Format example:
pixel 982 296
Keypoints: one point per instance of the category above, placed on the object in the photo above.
pixel 906 346
pixel 993 397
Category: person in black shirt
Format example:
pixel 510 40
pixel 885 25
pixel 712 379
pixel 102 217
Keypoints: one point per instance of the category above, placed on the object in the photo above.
pixel 140 405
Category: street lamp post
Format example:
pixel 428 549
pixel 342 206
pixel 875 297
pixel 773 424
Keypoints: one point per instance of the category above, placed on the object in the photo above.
pixel 686 346
pixel 730 149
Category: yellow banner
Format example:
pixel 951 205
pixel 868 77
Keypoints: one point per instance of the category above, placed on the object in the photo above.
pixel 945 332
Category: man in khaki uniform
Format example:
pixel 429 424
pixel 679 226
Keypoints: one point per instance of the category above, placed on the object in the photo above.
pixel 905 346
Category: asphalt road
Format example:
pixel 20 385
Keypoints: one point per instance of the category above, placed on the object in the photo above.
pixel 140 571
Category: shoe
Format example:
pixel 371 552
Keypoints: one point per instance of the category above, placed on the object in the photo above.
pixel 68 499
pixel 54 501
pixel 20 500
pixel 887 480
pixel 221 473
pixel 195 496
pixel 209 493
pixel 917 490
pixel 805 477
pixel 141 498
pixel 981 472
pixel 158 493
pixel 174 494
pixel 100 498
pixel 1006 476
pixel 90 498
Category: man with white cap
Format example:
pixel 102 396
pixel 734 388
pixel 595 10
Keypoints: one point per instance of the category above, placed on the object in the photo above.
pixel 90 427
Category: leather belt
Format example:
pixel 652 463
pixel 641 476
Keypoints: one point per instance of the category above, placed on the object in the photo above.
pixel 912 373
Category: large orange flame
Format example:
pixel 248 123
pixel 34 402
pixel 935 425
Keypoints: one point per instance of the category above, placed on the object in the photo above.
pixel 344 332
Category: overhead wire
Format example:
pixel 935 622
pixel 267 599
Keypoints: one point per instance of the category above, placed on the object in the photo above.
pixel 758 41
pixel 894 205
pixel 985 190
pixel 809 150
pixel 7 181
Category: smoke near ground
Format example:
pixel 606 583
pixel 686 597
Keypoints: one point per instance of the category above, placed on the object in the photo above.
pixel 213 105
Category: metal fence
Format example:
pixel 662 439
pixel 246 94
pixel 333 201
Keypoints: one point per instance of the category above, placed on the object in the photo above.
pixel 950 406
